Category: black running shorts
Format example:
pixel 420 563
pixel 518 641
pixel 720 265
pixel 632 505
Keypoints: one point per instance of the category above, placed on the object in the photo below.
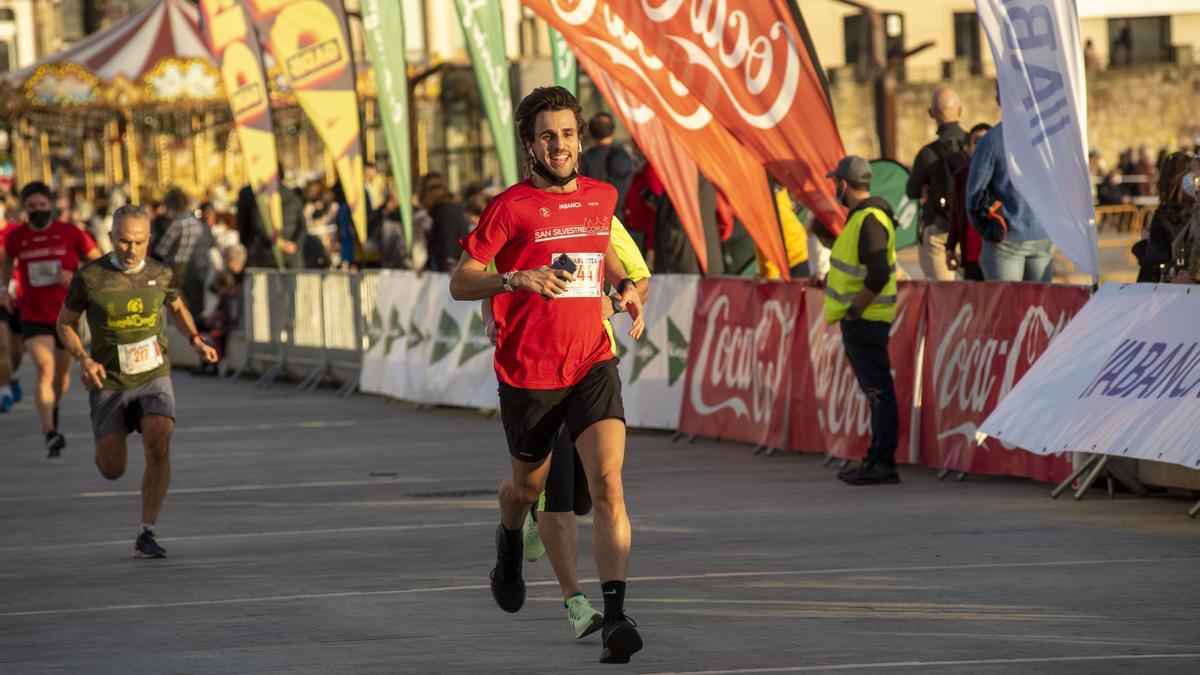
pixel 32 329
pixel 532 416
pixel 566 483
pixel 13 319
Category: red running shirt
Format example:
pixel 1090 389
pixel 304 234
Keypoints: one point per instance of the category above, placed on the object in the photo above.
pixel 547 344
pixel 40 255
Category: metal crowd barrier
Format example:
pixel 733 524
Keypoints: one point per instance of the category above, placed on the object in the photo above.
pixel 308 324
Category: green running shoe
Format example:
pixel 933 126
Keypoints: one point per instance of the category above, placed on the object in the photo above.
pixel 534 548
pixel 584 618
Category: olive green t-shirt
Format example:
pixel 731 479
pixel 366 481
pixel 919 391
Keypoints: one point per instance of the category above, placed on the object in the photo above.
pixel 124 313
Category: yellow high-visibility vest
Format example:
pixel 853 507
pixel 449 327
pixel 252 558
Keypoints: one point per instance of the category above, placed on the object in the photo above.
pixel 848 274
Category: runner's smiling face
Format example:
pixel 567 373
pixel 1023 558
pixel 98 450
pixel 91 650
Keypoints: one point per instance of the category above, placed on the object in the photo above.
pixel 131 238
pixel 556 141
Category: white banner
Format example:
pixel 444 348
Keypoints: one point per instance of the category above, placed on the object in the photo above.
pixel 427 348
pixel 1123 379
pixel 1043 101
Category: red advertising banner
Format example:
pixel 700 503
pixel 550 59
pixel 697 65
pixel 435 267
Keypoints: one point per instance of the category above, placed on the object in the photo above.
pixel 675 168
pixel 597 33
pixel 752 65
pixel 829 411
pixel 738 368
pixel 981 338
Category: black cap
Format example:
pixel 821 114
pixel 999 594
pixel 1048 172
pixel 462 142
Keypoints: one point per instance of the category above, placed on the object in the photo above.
pixel 854 170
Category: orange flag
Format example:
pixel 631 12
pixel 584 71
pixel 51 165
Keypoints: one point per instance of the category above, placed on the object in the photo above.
pixel 598 34
pixel 753 65
pixel 676 170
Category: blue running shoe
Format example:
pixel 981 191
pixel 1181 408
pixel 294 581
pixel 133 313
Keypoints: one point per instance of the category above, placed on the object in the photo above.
pixel 6 402
pixel 16 390
pixel 147 546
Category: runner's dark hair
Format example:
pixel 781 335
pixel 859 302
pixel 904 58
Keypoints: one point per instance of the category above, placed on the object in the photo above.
pixel 541 100
pixel 36 187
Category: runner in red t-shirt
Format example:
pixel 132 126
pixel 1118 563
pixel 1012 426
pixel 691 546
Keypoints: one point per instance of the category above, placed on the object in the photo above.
pixel 46 253
pixel 553 358
pixel 10 335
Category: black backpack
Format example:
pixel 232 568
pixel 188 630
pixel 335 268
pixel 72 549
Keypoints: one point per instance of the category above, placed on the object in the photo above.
pixel 951 156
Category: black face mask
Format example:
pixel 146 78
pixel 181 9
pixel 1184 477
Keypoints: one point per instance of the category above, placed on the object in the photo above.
pixel 39 219
pixel 548 175
pixel 841 195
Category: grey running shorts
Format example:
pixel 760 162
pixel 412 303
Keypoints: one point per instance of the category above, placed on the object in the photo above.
pixel 115 410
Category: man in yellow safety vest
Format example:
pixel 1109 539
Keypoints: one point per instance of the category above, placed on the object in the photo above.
pixel 860 294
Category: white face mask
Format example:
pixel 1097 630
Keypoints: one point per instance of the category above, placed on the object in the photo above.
pixel 1189 184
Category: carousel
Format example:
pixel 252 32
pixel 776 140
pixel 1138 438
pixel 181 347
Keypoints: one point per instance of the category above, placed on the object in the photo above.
pixel 134 108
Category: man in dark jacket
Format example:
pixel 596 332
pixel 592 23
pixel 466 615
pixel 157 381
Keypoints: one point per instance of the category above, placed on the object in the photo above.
pixel 606 160
pixel 255 234
pixel 932 181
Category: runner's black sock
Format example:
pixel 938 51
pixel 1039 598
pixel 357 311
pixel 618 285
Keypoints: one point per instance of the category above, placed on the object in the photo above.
pixel 511 542
pixel 56 418
pixel 614 600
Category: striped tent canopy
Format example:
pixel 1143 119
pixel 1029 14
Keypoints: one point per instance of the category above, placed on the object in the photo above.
pixel 157 55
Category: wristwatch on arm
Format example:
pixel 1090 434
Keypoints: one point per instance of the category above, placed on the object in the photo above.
pixel 616 304
pixel 853 313
pixel 506 279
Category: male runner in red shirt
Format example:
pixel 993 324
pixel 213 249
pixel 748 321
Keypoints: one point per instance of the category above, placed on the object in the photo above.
pixel 47 253
pixel 553 359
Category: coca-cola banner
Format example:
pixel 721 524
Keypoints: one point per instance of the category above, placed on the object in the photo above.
pixel 752 65
pixel 1120 380
pixel 830 413
pixel 739 360
pixel 981 339
pixel 601 37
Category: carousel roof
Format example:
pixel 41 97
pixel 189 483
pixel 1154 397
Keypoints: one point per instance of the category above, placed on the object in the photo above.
pixel 159 46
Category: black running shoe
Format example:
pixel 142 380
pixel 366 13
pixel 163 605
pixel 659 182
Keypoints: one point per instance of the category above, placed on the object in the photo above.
pixel 620 640
pixel 147 546
pixel 508 587
pixel 55 442
pixel 870 473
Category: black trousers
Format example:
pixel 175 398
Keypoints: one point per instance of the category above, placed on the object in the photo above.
pixel 866 344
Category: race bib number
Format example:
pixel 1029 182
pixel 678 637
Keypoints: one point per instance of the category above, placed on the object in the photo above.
pixel 44 272
pixel 589 275
pixel 140 357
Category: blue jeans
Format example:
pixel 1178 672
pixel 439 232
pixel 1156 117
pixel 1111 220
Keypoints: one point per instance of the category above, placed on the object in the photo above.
pixel 1018 261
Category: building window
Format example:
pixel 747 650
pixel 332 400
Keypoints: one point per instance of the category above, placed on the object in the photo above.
pixel 966 40
pixel 7 15
pixel 5 64
pixel 857 29
pixel 1139 40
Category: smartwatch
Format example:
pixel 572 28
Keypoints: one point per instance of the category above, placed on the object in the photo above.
pixel 506 279
pixel 616 304
pixel 854 314
pixel 624 283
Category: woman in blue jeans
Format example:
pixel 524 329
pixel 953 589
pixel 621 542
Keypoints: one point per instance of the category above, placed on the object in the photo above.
pixel 1021 251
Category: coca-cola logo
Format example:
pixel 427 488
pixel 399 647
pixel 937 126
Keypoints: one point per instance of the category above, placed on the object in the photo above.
pixel 967 365
pixel 743 362
pixel 621 48
pixel 843 407
pixel 748 64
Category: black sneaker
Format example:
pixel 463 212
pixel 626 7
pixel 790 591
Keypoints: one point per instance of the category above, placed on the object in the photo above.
pixel 870 473
pixel 508 587
pixel 147 546
pixel 55 442
pixel 620 640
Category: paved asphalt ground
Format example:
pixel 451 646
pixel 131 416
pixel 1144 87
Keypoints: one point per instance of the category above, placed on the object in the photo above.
pixel 308 534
